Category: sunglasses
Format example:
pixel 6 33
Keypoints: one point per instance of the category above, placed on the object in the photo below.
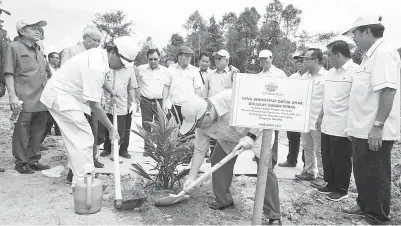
pixel 153 59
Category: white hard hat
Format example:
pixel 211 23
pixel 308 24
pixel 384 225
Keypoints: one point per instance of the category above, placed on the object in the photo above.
pixel 128 48
pixel 362 20
pixel 265 53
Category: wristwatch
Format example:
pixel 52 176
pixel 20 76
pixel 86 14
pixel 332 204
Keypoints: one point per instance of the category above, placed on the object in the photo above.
pixel 378 124
pixel 251 135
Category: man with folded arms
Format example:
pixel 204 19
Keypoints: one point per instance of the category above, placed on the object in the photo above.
pixel 373 119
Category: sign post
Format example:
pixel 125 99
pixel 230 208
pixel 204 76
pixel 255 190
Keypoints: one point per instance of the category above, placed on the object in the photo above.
pixel 269 103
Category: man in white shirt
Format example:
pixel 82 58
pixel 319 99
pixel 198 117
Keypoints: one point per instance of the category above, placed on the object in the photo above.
pixel 268 69
pixel 311 141
pixel 183 81
pixel 294 138
pixel 332 122
pixel 373 119
pixel 204 65
pixel 151 79
pixel 76 90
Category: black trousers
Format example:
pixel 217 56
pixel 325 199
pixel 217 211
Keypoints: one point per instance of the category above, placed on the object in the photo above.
pixel 177 115
pixel 275 148
pixel 149 112
pixel 222 178
pixel 121 126
pixel 27 136
pixel 294 139
pixel 337 162
pixel 49 125
pixel 125 141
pixel 372 172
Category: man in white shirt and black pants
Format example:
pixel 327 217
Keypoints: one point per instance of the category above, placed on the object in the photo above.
pixel 332 122
pixel 374 119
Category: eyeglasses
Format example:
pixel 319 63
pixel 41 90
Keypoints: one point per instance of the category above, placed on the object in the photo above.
pixel 94 40
pixel 218 58
pixel 314 58
pixel 153 59
pixel 331 54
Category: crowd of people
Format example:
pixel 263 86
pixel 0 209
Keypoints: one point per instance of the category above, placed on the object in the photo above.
pixel 354 115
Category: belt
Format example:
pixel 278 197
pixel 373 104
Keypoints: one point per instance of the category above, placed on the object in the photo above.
pixel 150 99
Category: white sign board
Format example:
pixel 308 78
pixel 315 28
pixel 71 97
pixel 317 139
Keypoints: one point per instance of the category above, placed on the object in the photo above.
pixel 271 103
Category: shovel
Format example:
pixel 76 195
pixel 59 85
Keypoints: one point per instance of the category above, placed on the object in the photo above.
pixel 173 199
pixel 119 203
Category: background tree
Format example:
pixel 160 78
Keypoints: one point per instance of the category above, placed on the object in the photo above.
pixel 141 58
pixel 171 50
pixel 113 24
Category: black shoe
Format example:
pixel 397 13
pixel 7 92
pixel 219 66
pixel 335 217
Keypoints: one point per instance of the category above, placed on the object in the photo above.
pixel 104 153
pixel 38 166
pixel 68 179
pixel 24 168
pixel 215 206
pixel 125 154
pixel 305 176
pixel 318 182
pixel 97 163
pixel 2 170
pixel 57 133
pixel 335 196
pixel 287 164
pixel 325 190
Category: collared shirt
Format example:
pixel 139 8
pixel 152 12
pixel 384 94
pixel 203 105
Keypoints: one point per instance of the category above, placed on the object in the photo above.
pixel 296 75
pixel 217 81
pixel 53 69
pixel 70 52
pixel 317 95
pixel 202 74
pixel 78 81
pixel 182 82
pixel 151 81
pixel 337 91
pixel 122 81
pixel 380 68
pixel 28 66
pixel 227 136
pixel 274 72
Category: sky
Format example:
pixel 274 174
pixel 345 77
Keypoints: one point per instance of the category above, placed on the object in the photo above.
pixel 160 19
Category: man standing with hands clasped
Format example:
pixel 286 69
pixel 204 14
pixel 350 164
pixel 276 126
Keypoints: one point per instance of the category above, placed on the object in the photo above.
pixel 210 119
pixel 374 119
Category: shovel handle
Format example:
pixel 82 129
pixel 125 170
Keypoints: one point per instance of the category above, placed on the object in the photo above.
pixel 117 179
pixel 211 170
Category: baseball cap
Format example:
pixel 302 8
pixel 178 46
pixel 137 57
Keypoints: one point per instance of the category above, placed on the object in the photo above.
pixel 297 56
pixel 29 21
pixel 362 20
pixel 192 110
pixel 223 53
pixel 128 48
pixel 185 50
pixel 265 53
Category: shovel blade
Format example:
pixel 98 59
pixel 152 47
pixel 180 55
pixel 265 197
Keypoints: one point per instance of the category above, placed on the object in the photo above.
pixel 129 204
pixel 170 200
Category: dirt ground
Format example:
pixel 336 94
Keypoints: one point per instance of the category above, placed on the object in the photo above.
pixel 36 199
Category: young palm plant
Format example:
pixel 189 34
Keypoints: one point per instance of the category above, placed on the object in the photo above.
pixel 167 148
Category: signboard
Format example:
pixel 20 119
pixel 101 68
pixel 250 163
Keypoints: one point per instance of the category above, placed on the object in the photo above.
pixel 271 103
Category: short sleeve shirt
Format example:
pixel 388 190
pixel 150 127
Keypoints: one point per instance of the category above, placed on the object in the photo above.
pixel 182 82
pixel 216 81
pixel 78 81
pixel 274 72
pixel 380 68
pixel 26 63
pixel 121 81
pixel 317 95
pixel 71 52
pixel 151 81
pixel 337 91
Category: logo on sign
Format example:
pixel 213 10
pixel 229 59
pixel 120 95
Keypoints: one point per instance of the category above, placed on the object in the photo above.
pixel 271 87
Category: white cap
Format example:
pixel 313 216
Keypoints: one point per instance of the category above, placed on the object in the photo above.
pixel 128 48
pixel 223 53
pixel 192 110
pixel 362 20
pixel 265 53
pixel 29 21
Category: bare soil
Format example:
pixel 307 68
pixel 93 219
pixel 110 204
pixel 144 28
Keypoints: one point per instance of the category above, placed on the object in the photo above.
pixel 36 199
